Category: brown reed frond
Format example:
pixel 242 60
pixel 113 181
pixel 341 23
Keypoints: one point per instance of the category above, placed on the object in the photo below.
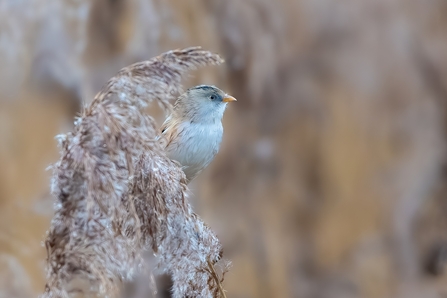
pixel 117 194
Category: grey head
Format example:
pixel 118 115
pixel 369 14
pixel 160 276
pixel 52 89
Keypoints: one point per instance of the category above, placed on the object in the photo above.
pixel 203 104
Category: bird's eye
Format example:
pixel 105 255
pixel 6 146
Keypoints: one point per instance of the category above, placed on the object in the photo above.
pixel 212 97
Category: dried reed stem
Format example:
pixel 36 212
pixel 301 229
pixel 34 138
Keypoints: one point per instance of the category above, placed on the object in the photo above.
pixel 216 279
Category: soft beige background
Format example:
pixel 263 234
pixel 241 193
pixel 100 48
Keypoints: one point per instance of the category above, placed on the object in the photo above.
pixel 330 180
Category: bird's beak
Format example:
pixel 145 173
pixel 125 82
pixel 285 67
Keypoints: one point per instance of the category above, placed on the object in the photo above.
pixel 228 98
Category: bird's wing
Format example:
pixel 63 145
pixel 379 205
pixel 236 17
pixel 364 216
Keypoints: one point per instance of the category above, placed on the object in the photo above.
pixel 169 132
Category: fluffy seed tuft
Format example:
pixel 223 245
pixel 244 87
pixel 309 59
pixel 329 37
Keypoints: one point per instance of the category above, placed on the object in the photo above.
pixel 117 194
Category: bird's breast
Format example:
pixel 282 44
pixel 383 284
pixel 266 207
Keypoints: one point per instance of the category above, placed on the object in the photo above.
pixel 197 145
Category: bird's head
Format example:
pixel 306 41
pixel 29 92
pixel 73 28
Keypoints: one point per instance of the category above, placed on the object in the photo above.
pixel 203 103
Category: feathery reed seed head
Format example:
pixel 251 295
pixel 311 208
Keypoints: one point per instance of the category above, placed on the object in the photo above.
pixel 117 194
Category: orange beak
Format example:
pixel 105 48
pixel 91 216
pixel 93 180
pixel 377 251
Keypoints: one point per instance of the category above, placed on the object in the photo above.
pixel 228 98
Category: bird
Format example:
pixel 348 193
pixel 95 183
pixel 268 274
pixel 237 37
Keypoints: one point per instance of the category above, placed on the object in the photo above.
pixel 192 133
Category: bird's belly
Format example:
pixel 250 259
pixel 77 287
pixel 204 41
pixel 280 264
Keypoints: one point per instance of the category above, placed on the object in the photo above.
pixel 197 147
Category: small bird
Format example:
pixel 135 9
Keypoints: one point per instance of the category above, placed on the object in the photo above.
pixel 192 133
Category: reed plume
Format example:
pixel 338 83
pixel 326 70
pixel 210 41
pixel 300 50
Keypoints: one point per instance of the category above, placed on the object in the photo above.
pixel 117 194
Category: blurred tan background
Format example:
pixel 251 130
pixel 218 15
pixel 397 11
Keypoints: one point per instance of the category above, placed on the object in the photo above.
pixel 331 178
